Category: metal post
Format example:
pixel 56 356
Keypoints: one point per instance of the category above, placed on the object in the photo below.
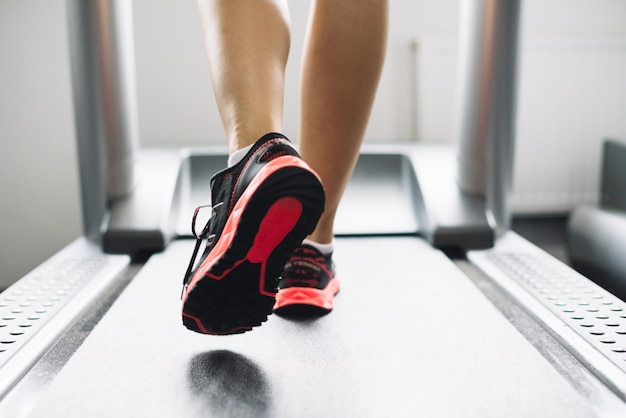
pixel 486 113
pixel 105 104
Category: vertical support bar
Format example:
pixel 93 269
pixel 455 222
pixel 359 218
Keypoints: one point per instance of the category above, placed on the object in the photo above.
pixel 105 103
pixel 487 103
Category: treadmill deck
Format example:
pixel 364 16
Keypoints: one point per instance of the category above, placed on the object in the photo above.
pixel 410 335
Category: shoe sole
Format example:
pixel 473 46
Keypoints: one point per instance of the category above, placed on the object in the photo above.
pixel 305 301
pixel 234 288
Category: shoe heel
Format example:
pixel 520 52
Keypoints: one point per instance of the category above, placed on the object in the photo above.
pixel 279 220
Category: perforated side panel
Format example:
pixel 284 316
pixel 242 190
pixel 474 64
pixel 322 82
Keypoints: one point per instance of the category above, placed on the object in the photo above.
pixel 595 314
pixel 30 309
pixel 588 320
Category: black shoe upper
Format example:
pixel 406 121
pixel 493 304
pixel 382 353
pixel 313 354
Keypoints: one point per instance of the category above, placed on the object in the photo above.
pixel 307 267
pixel 228 185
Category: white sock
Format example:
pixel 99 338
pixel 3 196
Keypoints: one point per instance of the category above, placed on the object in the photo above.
pixel 325 249
pixel 238 155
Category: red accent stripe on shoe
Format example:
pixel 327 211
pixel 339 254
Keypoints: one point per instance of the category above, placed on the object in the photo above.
pixel 277 223
pixel 321 298
pixel 279 220
pixel 203 330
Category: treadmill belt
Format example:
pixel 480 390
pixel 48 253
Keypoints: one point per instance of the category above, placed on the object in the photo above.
pixel 410 336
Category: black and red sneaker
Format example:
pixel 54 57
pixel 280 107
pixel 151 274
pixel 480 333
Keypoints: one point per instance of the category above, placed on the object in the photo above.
pixel 308 286
pixel 262 209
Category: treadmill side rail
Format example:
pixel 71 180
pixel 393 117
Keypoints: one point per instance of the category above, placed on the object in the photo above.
pixel 37 309
pixel 143 221
pixel 419 178
pixel 448 216
pixel 586 319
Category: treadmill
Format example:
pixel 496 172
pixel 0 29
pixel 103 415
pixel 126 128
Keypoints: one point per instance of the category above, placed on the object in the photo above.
pixel 443 310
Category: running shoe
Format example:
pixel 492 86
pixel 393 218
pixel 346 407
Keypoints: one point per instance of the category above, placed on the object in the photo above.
pixel 262 209
pixel 308 286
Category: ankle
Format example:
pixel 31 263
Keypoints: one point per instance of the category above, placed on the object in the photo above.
pixel 325 249
pixel 238 155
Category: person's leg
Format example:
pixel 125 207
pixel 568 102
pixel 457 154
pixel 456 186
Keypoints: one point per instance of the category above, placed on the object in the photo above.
pixel 268 199
pixel 345 50
pixel 247 44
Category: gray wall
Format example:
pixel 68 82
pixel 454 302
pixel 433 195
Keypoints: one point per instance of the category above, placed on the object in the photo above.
pixel 39 193
pixel 39 198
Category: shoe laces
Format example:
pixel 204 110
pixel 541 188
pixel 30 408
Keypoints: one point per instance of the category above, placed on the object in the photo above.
pixel 200 237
